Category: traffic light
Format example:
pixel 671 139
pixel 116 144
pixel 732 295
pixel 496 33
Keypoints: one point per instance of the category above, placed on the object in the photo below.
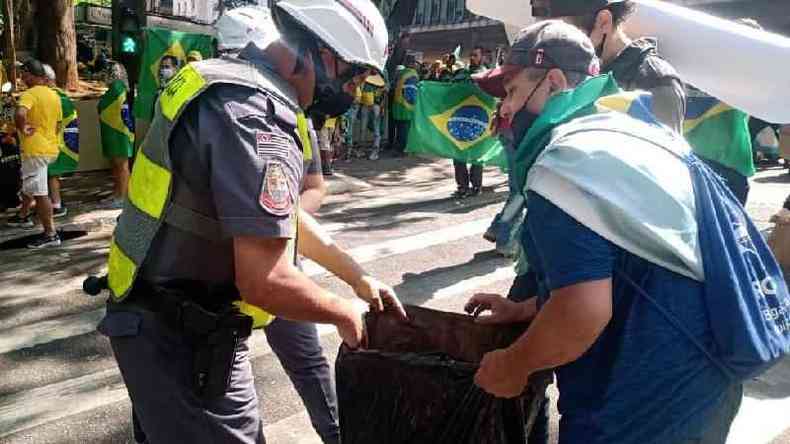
pixel 129 32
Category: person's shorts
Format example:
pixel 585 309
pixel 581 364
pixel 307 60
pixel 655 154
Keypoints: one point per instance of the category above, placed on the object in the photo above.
pixel 34 175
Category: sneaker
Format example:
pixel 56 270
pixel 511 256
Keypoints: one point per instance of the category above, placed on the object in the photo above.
pixel 45 242
pixel 374 155
pixel 19 222
pixel 60 212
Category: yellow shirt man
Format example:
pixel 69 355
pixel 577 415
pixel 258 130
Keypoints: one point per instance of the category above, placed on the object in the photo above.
pixel 44 114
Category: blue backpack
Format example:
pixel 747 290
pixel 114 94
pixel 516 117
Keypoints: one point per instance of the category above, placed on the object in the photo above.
pixel 746 295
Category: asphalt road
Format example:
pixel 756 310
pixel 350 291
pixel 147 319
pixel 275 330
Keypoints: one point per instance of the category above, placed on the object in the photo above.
pixel 60 384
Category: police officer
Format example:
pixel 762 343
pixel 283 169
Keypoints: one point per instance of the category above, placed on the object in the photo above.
pixel 206 245
pixel 635 64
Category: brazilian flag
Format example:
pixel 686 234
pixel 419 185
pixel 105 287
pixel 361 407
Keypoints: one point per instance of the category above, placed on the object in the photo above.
pixel 116 124
pixel 453 120
pixel 719 132
pixel 405 95
pixel 159 43
pixel 69 156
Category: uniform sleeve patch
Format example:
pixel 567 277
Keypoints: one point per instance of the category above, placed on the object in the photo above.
pixel 276 196
pixel 268 143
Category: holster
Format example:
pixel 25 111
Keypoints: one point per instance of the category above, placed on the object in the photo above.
pixel 210 323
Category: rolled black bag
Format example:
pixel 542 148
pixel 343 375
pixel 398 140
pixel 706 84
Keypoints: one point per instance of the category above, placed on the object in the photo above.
pixel 415 383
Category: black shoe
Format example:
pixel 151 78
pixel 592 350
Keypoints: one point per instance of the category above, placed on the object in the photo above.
pixel 475 192
pixel 461 194
pixel 328 171
pixel 45 241
pixel 60 212
pixel 20 222
pixel 490 235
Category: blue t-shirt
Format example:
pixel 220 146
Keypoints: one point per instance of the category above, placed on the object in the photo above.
pixel 642 381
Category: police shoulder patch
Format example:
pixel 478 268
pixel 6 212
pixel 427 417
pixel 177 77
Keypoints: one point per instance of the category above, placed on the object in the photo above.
pixel 276 197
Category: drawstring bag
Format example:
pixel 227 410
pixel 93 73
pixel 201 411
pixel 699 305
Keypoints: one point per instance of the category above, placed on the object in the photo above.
pixel 745 291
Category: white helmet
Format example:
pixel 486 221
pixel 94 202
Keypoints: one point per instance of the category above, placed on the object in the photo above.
pixel 237 27
pixel 353 29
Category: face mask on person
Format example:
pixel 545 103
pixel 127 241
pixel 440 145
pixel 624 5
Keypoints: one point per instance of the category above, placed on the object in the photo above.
pixel 524 118
pixel 165 74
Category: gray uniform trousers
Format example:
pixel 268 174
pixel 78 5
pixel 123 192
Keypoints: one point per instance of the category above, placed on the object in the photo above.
pixel 156 365
pixel 297 346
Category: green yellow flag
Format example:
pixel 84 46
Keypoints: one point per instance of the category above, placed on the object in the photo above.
pixel 405 94
pixel 115 120
pixel 453 120
pixel 69 156
pixel 719 132
pixel 159 43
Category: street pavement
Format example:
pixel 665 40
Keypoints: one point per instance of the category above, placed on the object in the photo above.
pixel 59 381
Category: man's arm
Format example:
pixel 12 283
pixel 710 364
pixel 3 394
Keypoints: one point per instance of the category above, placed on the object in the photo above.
pixel 313 192
pixel 669 104
pixel 316 244
pixel 267 278
pixel 20 119
pixel 565 327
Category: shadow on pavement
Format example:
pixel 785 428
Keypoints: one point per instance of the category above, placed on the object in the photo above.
pixel 421 287
pixel 22 242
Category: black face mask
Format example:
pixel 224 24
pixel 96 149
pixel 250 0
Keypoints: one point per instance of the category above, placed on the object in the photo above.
pixel 524 119
pixel 522 122
pixel 329 99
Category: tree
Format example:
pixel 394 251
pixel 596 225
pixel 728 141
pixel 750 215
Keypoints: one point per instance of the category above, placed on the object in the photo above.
pixel 57 39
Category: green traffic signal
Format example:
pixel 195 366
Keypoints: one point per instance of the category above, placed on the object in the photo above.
pixel 128 45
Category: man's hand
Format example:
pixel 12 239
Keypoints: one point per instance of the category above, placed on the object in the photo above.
pixel 378 295
pixel 500 376
pixel 500 310
pixel 28 130
pixel 353 331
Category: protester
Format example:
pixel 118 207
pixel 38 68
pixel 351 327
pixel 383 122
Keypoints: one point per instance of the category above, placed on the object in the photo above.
pixel 327 138
pixel 350 124
pixel 69 144
pixel 38 117
pixel 635 64
pixel 468 178
pixel 194 56
pixel 117 130
pixel 373 91
pixel 634 295
pixel 403 104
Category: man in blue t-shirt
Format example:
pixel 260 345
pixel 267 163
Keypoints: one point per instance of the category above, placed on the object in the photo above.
pixel 624 373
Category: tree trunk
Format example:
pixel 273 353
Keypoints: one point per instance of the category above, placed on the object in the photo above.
pixel 57 42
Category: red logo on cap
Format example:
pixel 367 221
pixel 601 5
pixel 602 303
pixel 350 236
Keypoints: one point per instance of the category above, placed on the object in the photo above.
pixel 539 56
pixel 595 67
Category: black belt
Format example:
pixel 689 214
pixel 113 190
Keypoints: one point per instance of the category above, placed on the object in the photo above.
pixel 207 318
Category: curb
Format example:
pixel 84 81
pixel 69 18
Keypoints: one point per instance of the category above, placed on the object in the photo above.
pixel 340 183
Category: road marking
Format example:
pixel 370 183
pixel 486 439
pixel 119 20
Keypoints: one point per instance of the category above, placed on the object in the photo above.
pixel 759 421
pixel 31 335
pixel 42 405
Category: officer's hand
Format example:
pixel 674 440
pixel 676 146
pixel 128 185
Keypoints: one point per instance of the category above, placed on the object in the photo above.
pixel 379 296
pixel 352 331
pixel 490 308
pixel 500 376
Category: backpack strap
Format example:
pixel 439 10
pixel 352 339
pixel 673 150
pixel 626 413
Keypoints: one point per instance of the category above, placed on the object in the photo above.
pixel 672 319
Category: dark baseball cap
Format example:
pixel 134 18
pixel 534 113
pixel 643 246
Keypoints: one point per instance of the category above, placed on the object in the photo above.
pixel 545 45
pixel 564 8
pixel 34 67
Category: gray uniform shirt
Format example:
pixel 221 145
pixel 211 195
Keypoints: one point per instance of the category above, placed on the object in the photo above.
pixel 225 149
